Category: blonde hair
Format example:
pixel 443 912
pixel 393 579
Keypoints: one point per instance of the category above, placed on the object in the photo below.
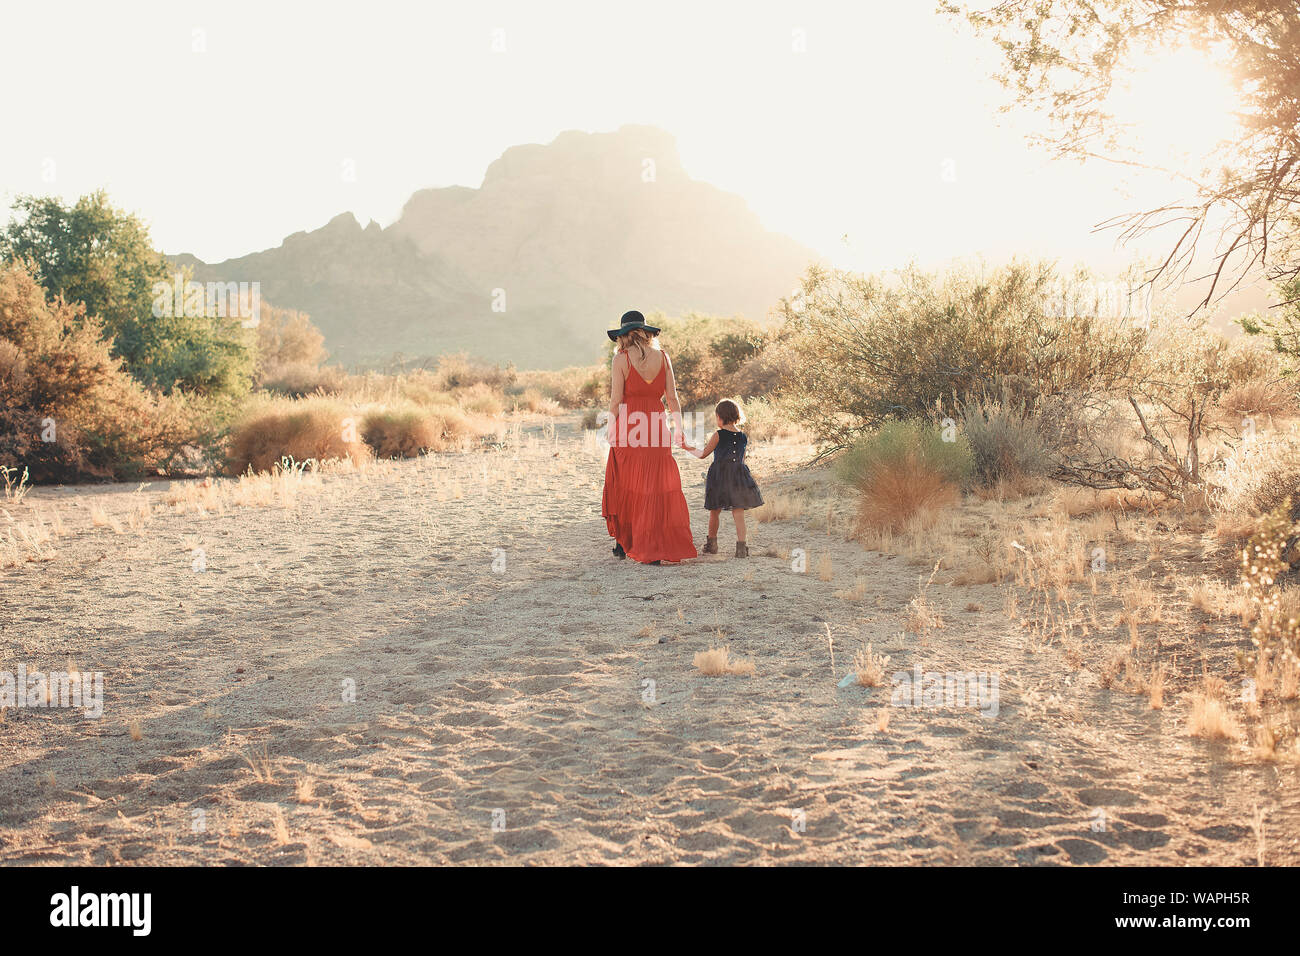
pixel 638 338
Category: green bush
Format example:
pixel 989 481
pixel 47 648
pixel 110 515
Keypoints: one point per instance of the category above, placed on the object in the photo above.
pixel 68 410
pixel 94 254
pixel 904 472
pixel 916 440
pixel 1006 441
pixel 868 348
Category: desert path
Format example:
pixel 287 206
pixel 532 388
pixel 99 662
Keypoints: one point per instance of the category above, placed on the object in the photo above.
pixel 521 697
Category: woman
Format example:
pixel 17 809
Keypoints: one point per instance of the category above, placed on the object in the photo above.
pixel 643 505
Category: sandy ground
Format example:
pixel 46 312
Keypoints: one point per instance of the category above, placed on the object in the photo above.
pixel 523 697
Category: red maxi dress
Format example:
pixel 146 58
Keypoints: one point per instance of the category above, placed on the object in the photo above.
pixel 643 505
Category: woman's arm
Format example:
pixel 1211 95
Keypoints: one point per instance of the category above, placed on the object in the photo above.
pixel 670 396
pixel 617 377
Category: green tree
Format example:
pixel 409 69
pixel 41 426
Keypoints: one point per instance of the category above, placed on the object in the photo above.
pixel 1282 328
pixel 94 254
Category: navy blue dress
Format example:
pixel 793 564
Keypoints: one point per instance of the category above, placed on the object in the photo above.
pixel 729 483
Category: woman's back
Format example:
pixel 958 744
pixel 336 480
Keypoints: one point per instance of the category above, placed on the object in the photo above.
pixel 641 387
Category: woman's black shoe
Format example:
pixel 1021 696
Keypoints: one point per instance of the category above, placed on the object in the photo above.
pixel 619 552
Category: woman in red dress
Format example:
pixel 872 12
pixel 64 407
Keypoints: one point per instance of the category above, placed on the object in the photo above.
pixel 643 505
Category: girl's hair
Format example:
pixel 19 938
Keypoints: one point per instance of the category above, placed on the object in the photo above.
pixel 729 413
pixel 638 339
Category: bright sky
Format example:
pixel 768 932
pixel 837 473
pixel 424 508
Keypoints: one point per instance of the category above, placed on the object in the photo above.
pixel 227 125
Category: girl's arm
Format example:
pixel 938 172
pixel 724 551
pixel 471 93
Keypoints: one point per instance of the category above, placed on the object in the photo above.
pixel 707 450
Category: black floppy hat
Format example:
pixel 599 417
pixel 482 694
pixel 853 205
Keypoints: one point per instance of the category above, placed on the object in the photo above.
pixel 631 320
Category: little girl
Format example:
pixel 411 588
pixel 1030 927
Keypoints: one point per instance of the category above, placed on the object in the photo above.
pixel 729 485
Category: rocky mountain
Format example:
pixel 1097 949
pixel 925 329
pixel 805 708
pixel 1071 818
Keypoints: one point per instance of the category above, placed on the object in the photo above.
pixel 565 237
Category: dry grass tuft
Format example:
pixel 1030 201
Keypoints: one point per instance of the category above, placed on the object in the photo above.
pixel 1209 716
pixel 920 617
pixel 778 506
pixel 870 667
pixel 717 662
pixel 259 761
pixel 856 593
pixel 1156 687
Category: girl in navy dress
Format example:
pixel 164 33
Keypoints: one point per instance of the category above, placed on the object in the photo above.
pixel 729 485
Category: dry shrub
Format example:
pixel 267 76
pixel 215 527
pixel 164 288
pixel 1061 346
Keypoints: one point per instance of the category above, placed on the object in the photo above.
pixel 532 400
pixel 408 432
pixel 920 617
pixel 298 379
pixel 1247 359
pixel 1219 600
pixel 570 388
pixel 461 372
pixel 1258 399
pixel 315 429
pixel 481 399
pixel 717 662
pixel 903 472
pixel 1007 442
pixel 1156 687
pixel 1259 475
pixel 1263 562
pixel 769 421
pixel 422 388
pixel 56 367
pixel 711 355
pixel 290 353
pixel 1074 502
